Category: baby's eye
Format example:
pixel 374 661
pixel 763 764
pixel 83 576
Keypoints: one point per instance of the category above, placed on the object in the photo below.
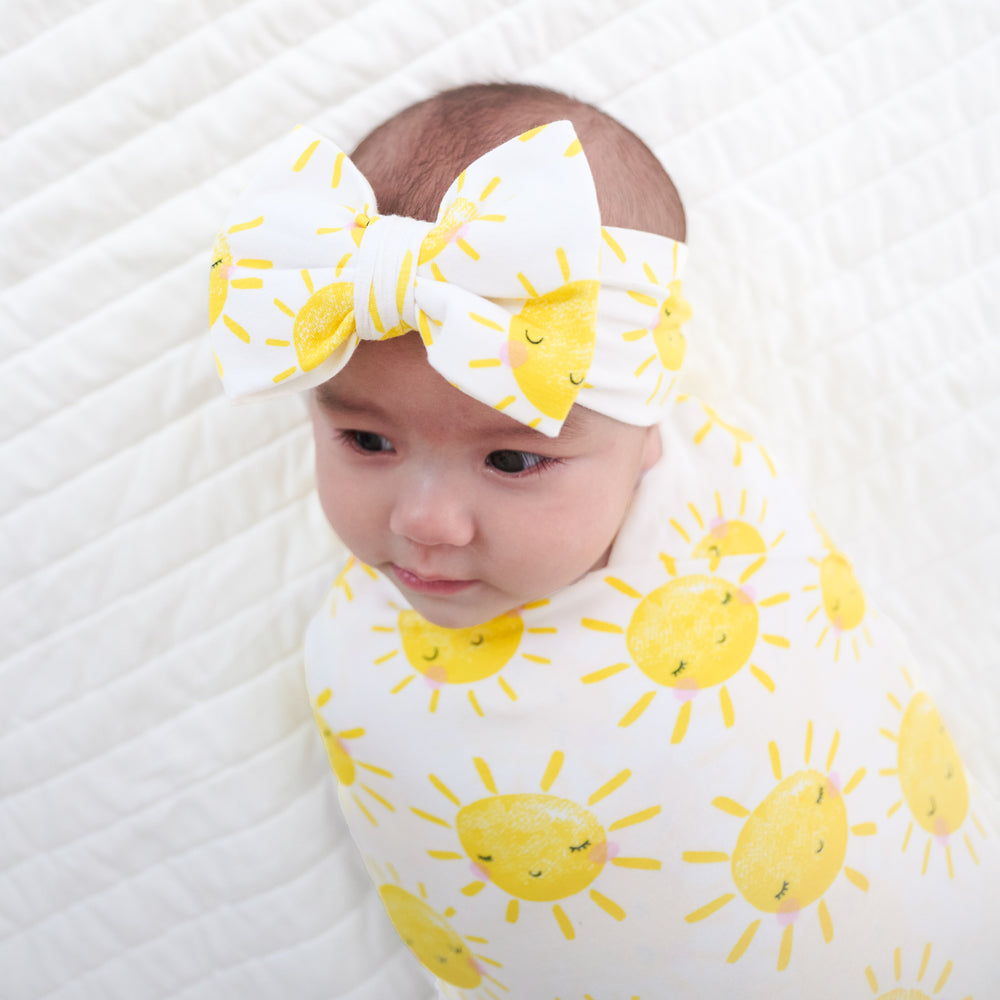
pixel 513 462
pixel 367 441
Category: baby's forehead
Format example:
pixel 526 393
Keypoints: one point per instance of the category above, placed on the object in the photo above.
pixel 392 381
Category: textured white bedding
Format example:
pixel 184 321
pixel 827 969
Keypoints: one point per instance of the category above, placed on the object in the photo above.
pixel 168 825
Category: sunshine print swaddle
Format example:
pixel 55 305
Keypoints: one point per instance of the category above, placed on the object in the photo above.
pixel 708 769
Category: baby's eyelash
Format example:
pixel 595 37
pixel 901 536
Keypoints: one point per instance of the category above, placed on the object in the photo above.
pixel 363 441
pixel 514 464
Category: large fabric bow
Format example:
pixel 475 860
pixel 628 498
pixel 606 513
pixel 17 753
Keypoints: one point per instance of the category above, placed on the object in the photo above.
pixel 503 287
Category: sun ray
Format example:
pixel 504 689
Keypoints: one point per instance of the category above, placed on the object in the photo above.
pixel 563 921
pixel 513 910
pixel 972 853
pixel 744 942
pixel 825 923
pixel 704 857
pixel 595 625
pixel 623 587
pixel 444 790
pixel 785 952
pixel 856 780
pixel 856 878
pixel 709 908
pixel 730 807
pixel 725 703
pixel 775 760
pixel 610 786
pixel 639 817
pixel 636 710
pixel 430 819
pixel 680 726
pixel 649 864
pixel 552 770
pixel 604 673
pixel 608 905
pixel 834 743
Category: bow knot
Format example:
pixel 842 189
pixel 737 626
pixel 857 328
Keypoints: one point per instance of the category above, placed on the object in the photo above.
pixel 523 300
pixel 385 273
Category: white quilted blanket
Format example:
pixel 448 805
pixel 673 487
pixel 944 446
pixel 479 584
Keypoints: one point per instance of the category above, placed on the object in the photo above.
pixel 168 825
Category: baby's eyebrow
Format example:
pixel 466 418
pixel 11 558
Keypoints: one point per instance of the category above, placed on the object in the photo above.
pixel 328 398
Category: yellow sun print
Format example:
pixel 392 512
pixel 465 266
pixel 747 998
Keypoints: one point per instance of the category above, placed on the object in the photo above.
pixel 670 314
pixel 909 987
pixel 740 437
pixel 460 656
pixel 218 285
pixel 453 225
pixel 790 849
pixel 344 764
pixel 931 778
pixel 550 342
pixel 692 633
pixel 842 599
pixel 538 847
pixel 432 938
pixel 721 536
pixel 225 273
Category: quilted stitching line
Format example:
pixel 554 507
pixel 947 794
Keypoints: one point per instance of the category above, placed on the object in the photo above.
pixel 41 193
pixel 851 123
pixel 284 510
pixel 303 583
pixel 259 453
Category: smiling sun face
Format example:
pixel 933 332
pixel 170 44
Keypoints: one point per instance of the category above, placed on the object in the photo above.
pixel 843 600
pixel 535 847
pixel 343 763
pixel 218 286
pixel 538 847
pixel 550 343
pixel 931 777
pixel 792 845
pixel 790 849
pixel 458 656
pixel 692 633
pixel 930 770
pixel 431 938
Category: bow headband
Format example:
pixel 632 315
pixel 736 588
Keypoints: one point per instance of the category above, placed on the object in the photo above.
pixel 523 300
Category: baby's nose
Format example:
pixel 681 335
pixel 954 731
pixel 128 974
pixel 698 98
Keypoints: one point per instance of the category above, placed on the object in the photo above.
pixel 433 509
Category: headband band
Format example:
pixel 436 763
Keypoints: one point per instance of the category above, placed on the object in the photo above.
pixel 523 300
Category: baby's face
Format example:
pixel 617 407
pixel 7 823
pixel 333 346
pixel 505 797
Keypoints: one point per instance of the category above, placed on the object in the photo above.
pixel 468 512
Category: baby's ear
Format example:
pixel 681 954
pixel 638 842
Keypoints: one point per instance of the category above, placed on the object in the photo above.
pixel 652 447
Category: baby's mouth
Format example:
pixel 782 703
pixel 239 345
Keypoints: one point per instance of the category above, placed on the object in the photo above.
pixel 428 584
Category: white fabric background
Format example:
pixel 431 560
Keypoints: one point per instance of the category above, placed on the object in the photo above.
pixel 167 822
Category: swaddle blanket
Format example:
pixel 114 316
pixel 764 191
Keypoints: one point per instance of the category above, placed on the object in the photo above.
pixel 705 770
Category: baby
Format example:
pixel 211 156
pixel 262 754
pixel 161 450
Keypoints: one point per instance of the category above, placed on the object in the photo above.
pixel 609 712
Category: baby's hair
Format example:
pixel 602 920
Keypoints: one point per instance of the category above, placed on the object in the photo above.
pixel 411 159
